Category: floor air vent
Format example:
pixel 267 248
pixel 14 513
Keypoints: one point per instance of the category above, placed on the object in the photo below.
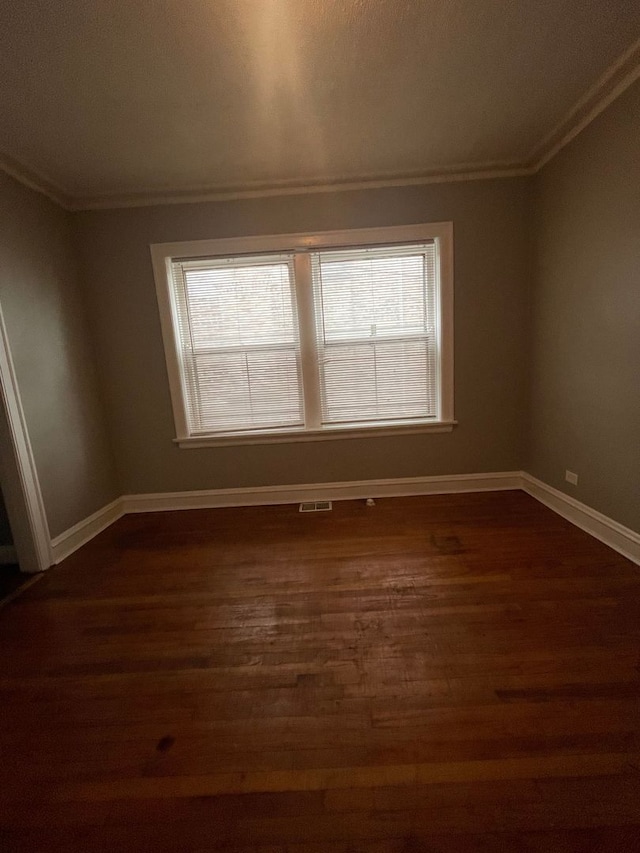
pixel 315 506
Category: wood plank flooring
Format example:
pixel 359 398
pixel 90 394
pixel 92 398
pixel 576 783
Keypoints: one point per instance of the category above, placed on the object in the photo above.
pixel 449 673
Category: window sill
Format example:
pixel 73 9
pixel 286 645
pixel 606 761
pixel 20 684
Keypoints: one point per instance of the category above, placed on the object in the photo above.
pixel 326 434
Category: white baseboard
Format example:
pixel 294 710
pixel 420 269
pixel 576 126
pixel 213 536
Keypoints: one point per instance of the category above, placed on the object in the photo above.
pixel 73 538
pixel 618 537
pixel 622 539
pixel 266 495
pixel 8 555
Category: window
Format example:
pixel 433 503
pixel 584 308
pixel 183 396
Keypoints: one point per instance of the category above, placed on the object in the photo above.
pixel 308 336
pixel 239 343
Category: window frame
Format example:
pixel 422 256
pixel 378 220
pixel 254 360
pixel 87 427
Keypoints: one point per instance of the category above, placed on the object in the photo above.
pixel 301 245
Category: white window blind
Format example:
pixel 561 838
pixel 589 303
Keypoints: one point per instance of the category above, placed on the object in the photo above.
pixel 308 336
pixel 376 318
pixel 238 343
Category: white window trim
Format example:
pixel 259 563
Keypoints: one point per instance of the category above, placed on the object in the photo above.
pixel 163 253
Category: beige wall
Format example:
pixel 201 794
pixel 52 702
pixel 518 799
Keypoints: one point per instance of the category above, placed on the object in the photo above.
pixel 585 410
pixel 547 353
pixel 491 315
pixel 53 356
pixel 547 324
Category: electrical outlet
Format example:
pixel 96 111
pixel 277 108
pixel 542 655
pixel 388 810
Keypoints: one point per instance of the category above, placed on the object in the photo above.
pixel 570 477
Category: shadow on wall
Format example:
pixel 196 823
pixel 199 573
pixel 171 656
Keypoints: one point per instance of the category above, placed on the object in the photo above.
pixel 5 530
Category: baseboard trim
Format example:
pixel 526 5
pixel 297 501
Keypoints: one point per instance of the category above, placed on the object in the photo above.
pixel 8 555
pixel 75 537
pixel 268 495
pixel 622 539
pixel 615 535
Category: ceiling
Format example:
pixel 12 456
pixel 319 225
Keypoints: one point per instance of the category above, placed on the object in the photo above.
pixel 108 100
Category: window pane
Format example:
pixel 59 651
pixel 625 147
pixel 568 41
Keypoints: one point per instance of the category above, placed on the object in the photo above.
pixel 240 350
pixel 381 381
pixel 377 333
pixel 240 306
pixel 373 297
pixel 247 389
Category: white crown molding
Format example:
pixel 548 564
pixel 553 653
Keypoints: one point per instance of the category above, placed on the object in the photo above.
pixel 622 539
pixel 476 172
pixel 615 80
pixel 615 535
pixel 34 180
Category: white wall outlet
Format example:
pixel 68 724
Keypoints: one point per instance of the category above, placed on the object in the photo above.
pixel 570 477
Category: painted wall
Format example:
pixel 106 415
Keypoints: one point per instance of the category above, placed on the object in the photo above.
pixel 585 409
pixel 547 320
pixel 492 265
pixel 53 356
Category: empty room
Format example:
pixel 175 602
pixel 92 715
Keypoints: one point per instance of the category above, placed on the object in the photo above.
pixel 320 426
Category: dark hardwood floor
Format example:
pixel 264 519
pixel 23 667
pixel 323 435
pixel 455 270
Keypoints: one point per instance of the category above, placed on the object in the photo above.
pixel 451 673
